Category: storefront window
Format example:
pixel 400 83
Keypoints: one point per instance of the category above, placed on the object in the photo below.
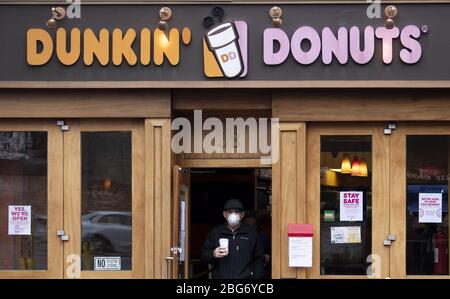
pixel 427 205
pixel 106 225
pixel 345 204
pixel 23 201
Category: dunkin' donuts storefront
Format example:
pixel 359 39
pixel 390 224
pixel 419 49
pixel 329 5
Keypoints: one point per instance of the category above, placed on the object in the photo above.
pixel 125 127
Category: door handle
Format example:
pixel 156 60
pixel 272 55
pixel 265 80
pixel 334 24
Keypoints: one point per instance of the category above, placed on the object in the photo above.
pixel 169 260
pixel 62 235
pixel 175 251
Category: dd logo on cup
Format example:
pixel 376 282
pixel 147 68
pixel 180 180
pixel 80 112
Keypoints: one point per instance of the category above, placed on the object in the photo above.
pixel 225 50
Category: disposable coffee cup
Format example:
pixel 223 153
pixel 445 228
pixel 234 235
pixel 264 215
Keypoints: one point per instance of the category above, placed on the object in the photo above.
pixel 223 243
pixel 222 40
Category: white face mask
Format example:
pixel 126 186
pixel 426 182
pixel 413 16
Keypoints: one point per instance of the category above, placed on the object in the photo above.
pixel 233 219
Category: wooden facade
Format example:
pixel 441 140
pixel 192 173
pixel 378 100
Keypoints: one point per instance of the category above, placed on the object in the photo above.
pixel 303 114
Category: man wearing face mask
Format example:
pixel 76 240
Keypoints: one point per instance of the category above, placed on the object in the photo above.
pixel 234 248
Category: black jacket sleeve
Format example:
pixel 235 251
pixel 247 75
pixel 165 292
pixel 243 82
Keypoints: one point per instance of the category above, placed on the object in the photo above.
pixel 208 248
pixel 258 258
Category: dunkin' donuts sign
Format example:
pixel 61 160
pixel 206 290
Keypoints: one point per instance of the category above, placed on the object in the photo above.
pixel 225 47
pixel 243 45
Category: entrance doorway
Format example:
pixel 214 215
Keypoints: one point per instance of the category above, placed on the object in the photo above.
pixel 203 193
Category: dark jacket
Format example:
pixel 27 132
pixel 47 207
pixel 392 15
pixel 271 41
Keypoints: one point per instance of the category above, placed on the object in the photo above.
pixel 245 259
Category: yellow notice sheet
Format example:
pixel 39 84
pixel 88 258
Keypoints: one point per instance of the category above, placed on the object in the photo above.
pixel 345 234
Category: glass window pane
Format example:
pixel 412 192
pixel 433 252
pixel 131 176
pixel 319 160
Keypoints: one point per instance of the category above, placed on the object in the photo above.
pixel 345 204
pixel 106 198
pixel 23 189
pixel 427 165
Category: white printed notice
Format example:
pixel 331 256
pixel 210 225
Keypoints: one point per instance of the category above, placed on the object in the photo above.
pixel 430 207
pixel 345 234
pixel 351 206
pixel 107 263
pixel 19 220
pixel 300 251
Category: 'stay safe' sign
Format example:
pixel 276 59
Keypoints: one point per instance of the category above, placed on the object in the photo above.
pixel 351 207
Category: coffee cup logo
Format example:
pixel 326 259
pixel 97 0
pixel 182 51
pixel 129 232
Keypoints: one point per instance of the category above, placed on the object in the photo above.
pixel 225 50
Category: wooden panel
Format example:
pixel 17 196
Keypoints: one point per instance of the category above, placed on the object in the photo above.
pixel 72 192
pixel 157 194
pixel 138 197
pixel 84 103
pixel 301 183
pixel 361 105
pixel 207 99
pixel 380 198
pixel 276 217
pixel 54 196
pixel 249 134
pixel 398 203
pixel 313 197
pixel 289 194
pixel 223 163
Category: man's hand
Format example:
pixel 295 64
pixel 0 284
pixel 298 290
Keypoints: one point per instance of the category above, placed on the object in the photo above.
pixel 220 252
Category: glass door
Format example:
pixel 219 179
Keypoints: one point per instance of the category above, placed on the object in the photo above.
pixel 420 163
pixel 177 264
pixel 31 199
pixel 104 198
pixel 348 200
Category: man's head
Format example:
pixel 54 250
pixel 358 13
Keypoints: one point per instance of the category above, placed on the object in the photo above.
pixel 233 212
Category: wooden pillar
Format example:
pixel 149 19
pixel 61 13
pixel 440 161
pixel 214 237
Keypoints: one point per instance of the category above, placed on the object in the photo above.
pixel 157 196
pixel 289 195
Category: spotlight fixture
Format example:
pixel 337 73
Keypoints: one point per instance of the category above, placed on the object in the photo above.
pixel 275 13
pixel 58 13
pixel 165 14
pixel 390 12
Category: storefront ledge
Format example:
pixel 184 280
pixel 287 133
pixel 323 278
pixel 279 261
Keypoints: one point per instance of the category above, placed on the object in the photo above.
pixel 230 84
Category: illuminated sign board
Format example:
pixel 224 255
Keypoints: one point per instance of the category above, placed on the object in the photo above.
pixel 315 42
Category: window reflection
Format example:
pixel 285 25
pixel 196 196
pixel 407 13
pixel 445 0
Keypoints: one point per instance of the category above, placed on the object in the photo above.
pixel 23 182
pixel 106 197
pixel 345 234
pixel 426 227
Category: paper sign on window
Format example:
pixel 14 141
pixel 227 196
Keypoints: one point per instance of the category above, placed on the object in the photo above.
pixel 345 234
pixel 430 207
pixel 351 207
pixel 107 263
pixel 19 220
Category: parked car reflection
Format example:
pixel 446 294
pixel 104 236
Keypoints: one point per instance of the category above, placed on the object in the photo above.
pixel 107 232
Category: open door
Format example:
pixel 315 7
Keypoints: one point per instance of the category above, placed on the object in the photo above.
pixel 180 228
